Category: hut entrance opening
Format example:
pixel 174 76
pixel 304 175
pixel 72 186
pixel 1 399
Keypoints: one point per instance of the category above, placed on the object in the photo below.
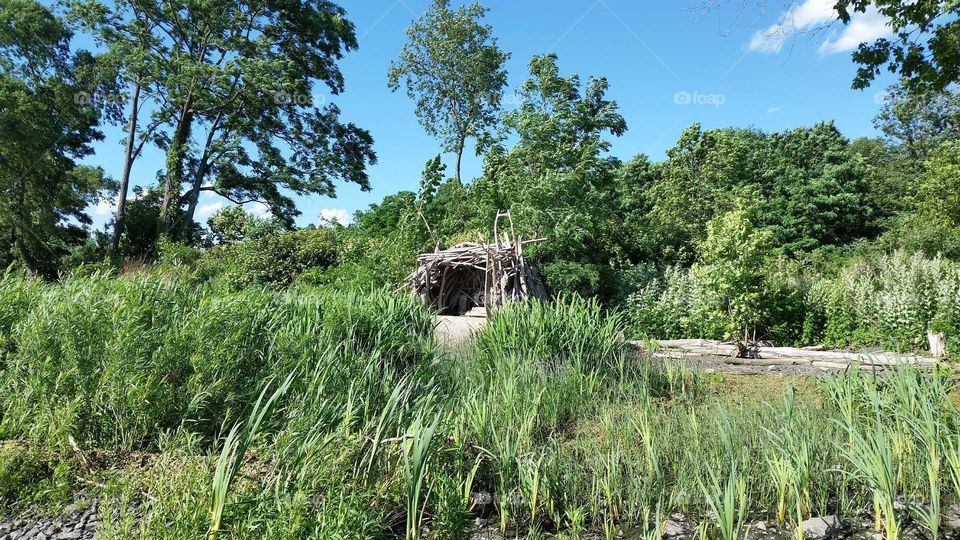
pixel 460 290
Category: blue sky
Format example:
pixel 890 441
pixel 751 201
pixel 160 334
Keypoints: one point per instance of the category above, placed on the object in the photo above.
pixel 668 66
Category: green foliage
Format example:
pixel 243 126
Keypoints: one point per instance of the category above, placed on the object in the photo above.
pixel 263 133
pixel 922 50
pixel 270 259
pixel 917 122
pixel 234 224
pixel 730 274
pixel 572 277
pixel 813 190
pixel 662 307
pixel 880 300
pixel 889 300
pixel 114 362
pixel 705 174
pixel 545 410
pixel 804 185
pixel 572 329
pixel 453 70
pixel 31 477
pixel 938 195
pixel 46 192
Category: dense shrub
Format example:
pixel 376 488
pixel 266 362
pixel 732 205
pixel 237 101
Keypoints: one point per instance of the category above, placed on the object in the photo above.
pixel 575 277
pixel 270 259
pixel 884 300
pixel 661 308
pixel 889 300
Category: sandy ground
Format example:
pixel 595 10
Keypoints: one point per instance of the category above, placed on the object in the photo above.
pixel 452 330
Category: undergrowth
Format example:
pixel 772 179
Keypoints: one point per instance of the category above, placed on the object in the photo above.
pixel 380 433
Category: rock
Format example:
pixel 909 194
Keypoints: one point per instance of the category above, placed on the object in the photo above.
pixel 72 535
pixel 760 526
pixel 951 517
pixel 672 529
pixel 820 527
pixel 482 503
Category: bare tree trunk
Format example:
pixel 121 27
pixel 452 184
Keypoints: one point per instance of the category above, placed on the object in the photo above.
pixel 459 159
pixel 200 174
pixel 125 179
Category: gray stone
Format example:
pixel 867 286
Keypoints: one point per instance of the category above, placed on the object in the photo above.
pixel 760 526
pixel 951 517
pixel 482 502
pixel 72 535
pixel 820 527
pixel 672 529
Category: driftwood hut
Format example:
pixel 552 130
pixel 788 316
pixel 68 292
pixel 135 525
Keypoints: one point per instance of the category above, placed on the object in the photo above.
pixel 476 274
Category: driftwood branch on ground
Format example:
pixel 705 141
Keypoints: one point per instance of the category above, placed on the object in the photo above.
pixel 785 355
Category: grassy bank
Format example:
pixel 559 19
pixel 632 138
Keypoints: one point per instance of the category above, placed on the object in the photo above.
pixel 318 414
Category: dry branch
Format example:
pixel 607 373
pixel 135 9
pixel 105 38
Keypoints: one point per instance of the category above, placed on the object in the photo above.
pixel 480 273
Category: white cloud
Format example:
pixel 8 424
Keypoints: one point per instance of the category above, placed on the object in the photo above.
pixel 811 14
pixel 105 207
pixel 260 210
pixel 774 109
pixel 798 18
pixel 339 215
pixel 864 27
pixel 204 211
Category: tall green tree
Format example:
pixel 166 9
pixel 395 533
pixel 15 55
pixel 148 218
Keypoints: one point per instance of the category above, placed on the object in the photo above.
pixel 889 179
pixel 813 190
pixel 923 50
pixel 131 40
pixel 236 86
pixel 557 178
pixel 939 191
pixel 705 174
pixel 452 68
pixel 47 122
pixel 731 273
pixel 919 123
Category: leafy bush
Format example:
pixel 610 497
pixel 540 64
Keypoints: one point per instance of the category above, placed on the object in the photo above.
pixel 270 259
pixel 350 275
pixel 574 277
pixel 889 300
pixel 662 307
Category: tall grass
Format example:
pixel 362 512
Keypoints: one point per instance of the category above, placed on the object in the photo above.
pixel 382 434
pixel 235 446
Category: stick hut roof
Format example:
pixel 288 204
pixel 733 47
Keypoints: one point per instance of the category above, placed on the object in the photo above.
pixel 487 274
